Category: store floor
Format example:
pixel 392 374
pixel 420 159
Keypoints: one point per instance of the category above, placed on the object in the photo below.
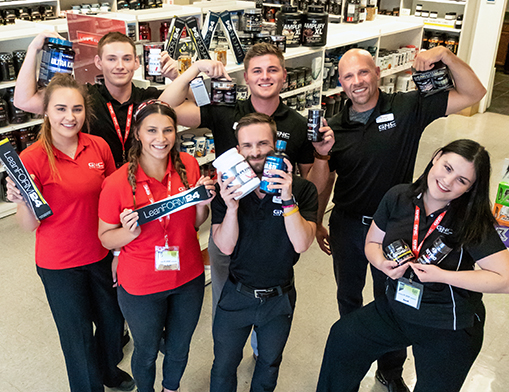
pixel 31 359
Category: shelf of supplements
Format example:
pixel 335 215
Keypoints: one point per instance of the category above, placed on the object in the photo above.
pixel 222 5
pixel 13 127
pixel 445 29
pixel 396 70
pixel 332 91
pixel 300 90
pixel 7 208
pixel 21 3
pixel 20 30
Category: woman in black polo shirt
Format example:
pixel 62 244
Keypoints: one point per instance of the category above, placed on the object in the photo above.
pixel 436 309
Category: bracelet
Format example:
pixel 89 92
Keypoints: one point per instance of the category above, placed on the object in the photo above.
pixel 321 157
pixel 290 206
pixel 293 211
pixel 116 253
pixel 290 202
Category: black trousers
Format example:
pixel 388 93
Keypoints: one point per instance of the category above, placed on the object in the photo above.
pixel 80 298
pixel 443 357
pixel 347 238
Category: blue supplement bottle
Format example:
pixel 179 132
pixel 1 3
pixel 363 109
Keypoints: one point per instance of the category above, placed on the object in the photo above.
pixel 274 161
pixel 57 57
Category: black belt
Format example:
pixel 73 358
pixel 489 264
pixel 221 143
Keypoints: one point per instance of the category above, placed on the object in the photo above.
pixel 261 293
pixel 365 220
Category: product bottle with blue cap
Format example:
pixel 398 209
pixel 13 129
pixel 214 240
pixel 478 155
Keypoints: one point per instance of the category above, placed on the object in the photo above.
pixel 274 161
pixel 57 57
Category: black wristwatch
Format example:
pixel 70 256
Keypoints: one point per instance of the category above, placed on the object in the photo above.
pixel 290 202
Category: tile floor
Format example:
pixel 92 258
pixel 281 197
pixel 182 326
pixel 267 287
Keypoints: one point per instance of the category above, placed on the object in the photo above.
pixel 500 95
pixel 31 360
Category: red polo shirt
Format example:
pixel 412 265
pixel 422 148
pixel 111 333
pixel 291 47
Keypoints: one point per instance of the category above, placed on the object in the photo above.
pixel 136 268
pixel 69 238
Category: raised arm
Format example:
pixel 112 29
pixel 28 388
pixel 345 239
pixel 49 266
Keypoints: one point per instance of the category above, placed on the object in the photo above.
pixel 468 88
pixel 319 173
pixel 26 95
pixel 188 113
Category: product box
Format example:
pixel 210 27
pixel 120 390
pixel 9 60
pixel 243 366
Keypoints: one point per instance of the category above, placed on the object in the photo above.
pixel 501 207
pixel 19 174
pixel 503 232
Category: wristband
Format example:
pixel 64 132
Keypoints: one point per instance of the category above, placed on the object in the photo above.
pixel 321 157
pixel 288 203
pixel 291 212
pixel 116 253
pixel 290 206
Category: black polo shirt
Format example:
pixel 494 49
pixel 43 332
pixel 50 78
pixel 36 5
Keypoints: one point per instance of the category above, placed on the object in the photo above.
pixel 102 124
pixel 370 159
pixel 264 256
pixel 442 306
pixel 291 126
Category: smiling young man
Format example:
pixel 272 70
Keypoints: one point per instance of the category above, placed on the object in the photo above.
pixel 264 74
pixel 112 102
pixel 264 236
pixel 377 136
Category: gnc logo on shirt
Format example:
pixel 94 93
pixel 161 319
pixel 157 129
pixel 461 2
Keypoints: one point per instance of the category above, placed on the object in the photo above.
pixel 96 165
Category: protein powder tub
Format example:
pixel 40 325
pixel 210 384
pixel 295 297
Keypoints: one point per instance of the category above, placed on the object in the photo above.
pixel 7 67
pixel 252 20
pixel 232 164
pixel 289 24
pixel 57 57
pixel 314 27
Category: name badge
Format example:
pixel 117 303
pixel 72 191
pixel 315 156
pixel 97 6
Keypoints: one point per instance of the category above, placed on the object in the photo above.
pixel 385 118
pixel 409 293
pixel 277 199
pixel 167 258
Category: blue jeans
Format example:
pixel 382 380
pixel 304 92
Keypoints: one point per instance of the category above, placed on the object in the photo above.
pixel 80 298
pixel 347 238
pixel 237 313
pixel 176 312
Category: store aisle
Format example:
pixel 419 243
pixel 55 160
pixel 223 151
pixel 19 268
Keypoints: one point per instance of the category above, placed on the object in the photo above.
pixel 31 359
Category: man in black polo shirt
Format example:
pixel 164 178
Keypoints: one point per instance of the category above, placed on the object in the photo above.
pixel 264 73
pixel 377 137
pixel 264 235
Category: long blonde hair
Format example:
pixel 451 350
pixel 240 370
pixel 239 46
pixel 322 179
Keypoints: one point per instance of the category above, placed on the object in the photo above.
pixel 146 109
pixel 60 81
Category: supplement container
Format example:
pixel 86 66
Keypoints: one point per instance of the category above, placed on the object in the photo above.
pixel 436 253
pixel 7 71
pixel 200 142
pixel 209 144
pixel 252 20
pixel 289 24
pixel 315 117
pixel 435 80
pixel 57 57
pixel 399 251
pixel 279 41
pixel 154 62
pixel 232 164
pixel 273 161
pixel 314 27
pixel 188 147
pixel 187 137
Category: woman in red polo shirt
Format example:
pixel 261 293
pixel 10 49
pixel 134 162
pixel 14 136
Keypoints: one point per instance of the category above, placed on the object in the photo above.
pixel 157 295
pixel 68 167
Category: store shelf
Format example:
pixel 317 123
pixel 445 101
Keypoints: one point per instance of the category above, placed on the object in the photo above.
pixel 452 2
pixel 300 90
pixel 9 4
pixel 8 84
pixel 13 127
pixel 333 91
pixel 7 209
pixel 304 113
pixel 21 29
pixel 396 70
pixel 442 28
pixel 206 159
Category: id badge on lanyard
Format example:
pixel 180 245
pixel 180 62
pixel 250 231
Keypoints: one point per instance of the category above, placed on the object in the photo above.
pixel 167 258
pixel 123 140
pixel 407 291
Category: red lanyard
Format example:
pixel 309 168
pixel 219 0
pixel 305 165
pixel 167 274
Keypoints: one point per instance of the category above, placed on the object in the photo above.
pixel 166 219
pixel 415 234
pixel 117 126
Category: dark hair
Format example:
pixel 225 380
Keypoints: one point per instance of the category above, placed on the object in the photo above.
pixel 114 36
pixel 256 118
pixel 151 107
pixel 472 217
pixel 58 81
pixel 262 49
